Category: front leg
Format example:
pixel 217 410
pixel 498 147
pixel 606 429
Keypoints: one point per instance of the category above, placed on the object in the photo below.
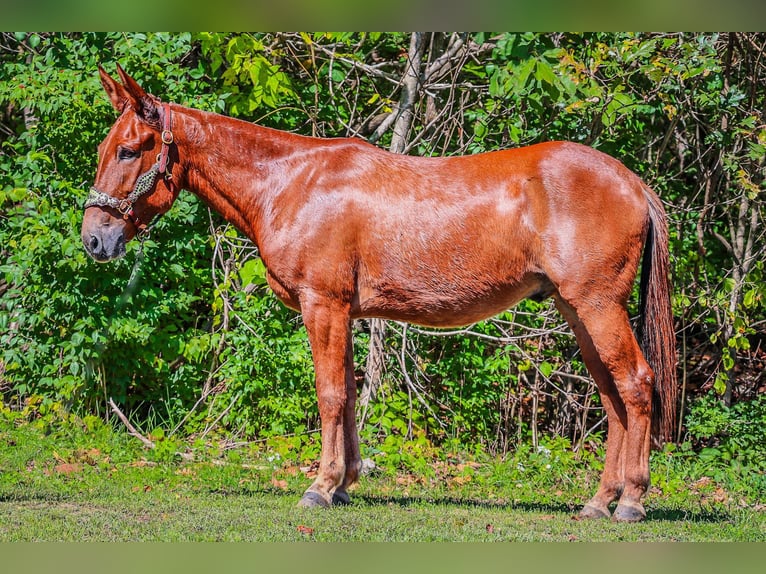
pixel 329 329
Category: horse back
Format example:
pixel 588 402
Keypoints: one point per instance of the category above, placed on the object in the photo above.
pixel 447 241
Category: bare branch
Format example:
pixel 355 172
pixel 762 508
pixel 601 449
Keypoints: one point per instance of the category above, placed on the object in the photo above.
pixel 131 429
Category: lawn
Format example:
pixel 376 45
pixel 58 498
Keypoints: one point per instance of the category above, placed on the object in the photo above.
pixel 81 482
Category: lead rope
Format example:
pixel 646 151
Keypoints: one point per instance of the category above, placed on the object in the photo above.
pixel 135 273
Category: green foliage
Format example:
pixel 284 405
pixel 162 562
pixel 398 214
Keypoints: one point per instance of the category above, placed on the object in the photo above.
pixel 682 110
pixel 250 78
pixel 733 438
pixel 71 331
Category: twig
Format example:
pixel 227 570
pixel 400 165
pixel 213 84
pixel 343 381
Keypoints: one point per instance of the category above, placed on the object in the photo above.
pixel 131 429
pixel 435 68
pixel 411 385
pixel 220 416
pixel 205 393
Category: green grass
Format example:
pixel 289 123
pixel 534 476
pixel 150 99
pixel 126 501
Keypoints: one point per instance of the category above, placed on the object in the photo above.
pixel 270 517
pixel 85 482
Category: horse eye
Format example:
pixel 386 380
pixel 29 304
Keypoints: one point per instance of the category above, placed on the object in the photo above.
pixel 127 153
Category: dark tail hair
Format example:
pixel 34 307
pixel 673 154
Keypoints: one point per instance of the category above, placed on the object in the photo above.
pixel 656 333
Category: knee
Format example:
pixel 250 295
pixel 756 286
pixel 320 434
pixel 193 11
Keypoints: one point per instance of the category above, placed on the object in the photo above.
pixel 636 391
pixel 331 403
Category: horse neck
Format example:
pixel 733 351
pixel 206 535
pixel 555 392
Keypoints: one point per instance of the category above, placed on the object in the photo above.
pixel 234 166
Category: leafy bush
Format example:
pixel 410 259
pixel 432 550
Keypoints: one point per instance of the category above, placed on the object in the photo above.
pixel 734 436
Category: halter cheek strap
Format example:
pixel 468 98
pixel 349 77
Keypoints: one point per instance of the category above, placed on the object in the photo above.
pixel 145 182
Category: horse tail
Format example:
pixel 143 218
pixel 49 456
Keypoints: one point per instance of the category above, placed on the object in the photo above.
pixel 656 333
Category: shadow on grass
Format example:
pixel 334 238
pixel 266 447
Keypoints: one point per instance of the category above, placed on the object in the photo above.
pixel 571 509
pixel 36 496
pixel 678 515
pixel 406 501
pixel 672 515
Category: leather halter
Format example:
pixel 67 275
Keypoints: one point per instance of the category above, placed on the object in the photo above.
pixel 145 182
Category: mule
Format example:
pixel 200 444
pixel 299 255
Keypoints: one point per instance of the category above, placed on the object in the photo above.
pixel 347 230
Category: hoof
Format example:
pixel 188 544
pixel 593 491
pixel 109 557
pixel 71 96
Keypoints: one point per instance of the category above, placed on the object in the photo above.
pixel 590 511
pixel 311 499
pixel 629 513
pixel 341 498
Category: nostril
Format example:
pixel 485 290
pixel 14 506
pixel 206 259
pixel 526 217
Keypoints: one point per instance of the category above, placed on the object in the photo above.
pixel 95 244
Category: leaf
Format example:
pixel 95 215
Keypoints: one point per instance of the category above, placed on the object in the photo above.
pixel 720 383
pixel 279 483
pixel 253 271
pixel 305 530
pixel 619 105
pixel 709 454
pixel 522 74
pixel 67 468
pixel 544 73
pixel 338 75
pixel 497 83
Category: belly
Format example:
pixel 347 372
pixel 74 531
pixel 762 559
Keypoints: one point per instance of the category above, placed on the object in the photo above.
pixel 449 305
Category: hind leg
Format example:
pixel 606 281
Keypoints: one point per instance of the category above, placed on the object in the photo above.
pixel 624 380
pixel 612 478
pixel 350 434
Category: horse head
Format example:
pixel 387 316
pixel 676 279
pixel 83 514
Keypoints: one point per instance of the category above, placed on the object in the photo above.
pixel 135 180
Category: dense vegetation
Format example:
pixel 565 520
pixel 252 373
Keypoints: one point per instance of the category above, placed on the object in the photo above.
pixel 186 338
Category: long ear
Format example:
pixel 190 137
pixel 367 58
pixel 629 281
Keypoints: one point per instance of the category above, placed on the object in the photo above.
pixel 133 88
pixel 116 92
pixel 145 105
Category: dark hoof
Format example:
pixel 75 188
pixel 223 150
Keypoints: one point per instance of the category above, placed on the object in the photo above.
pixel 311 499
pixel 629 513
pixel 341 498
pixel 594 512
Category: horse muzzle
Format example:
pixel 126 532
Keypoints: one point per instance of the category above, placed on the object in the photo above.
pixel 104 241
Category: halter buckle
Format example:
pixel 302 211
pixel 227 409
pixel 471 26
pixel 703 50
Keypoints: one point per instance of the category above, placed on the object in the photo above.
pixel 144 233
pixel 167 137
pixel 125 207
